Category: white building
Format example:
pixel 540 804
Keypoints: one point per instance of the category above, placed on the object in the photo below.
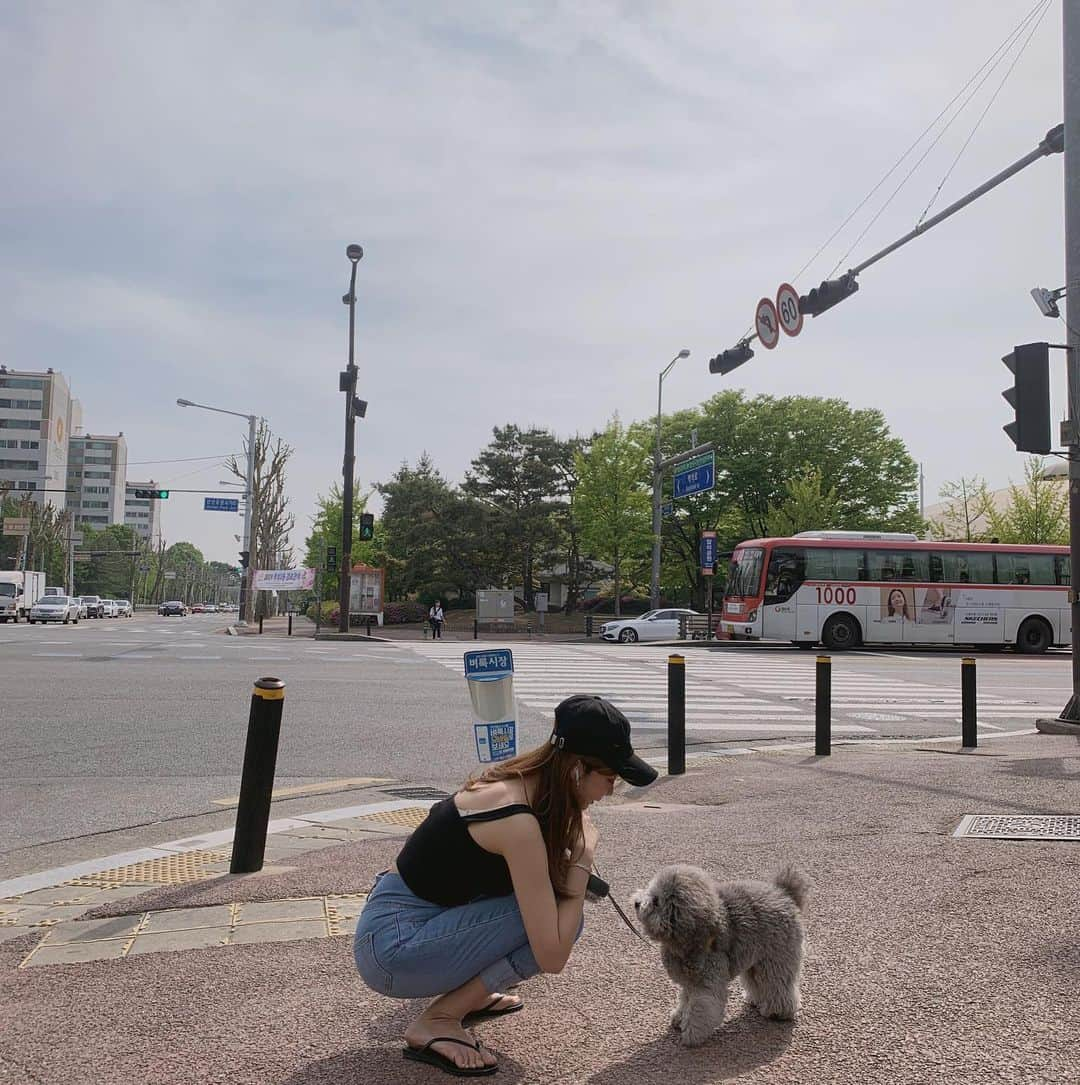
pixel 97 475
pixel 141 513
pixel 37 416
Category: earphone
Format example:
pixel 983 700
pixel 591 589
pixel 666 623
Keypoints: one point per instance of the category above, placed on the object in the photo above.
pixel 576 774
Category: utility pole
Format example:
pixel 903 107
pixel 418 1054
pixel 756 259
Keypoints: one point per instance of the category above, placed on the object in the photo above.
pixel 347 384
pixel 1070 714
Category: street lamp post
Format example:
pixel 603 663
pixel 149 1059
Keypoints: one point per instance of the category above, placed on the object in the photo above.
pixel 347 384
pixel 654 583
pixel 246 594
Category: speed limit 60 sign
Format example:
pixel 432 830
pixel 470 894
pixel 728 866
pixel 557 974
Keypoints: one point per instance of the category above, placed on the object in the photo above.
pixel 787 309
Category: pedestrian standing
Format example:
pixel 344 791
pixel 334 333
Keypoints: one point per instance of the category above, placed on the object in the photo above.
pixel 438 617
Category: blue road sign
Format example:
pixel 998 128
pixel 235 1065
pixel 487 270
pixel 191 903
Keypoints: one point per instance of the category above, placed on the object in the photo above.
pixel 221 504
pixel 485 666
pixel 707 549
pixel 667 508
pixel 696 475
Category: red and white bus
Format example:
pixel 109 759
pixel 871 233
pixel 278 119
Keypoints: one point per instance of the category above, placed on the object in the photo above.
pixel 844 589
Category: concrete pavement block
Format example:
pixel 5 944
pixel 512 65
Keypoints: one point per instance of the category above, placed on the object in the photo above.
pixel 277 910
pixel 76 953
pixel 346 907
pixel 7 933
pixel 287 931
pixel 42 915
pixel 175 940
pixel 186 919
pixel 95 930
pixel 344 928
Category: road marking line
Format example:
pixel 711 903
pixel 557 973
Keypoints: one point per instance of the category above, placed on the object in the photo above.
pixel 60 655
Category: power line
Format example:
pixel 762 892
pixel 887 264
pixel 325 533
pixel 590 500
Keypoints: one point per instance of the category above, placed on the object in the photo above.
pixel 185 459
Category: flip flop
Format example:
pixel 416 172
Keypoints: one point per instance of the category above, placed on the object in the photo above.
pixel 486 1012
pixel 433 1058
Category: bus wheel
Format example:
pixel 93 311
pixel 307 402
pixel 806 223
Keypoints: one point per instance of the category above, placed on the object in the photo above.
pixel 1034 637
pixel 841 632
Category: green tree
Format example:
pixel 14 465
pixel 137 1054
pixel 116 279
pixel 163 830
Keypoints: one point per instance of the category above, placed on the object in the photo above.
pixel 612 502
pixel 517 474
pixel 805 506
pixel 1038 511
pixel 326 527
pixel 969 514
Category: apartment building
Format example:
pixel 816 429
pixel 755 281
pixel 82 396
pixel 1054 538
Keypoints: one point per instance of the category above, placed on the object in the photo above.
pixel 37 417
pixel 97 477
pixel 141 513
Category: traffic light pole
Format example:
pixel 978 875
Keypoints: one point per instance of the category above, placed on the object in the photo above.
pixel 1070 714
pixel 347 384
pixel 247 575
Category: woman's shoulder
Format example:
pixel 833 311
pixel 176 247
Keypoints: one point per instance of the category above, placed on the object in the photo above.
pixel 491 795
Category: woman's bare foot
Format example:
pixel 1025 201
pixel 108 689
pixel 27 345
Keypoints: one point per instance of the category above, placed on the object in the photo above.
pixel 427 1026
pixel 497 1002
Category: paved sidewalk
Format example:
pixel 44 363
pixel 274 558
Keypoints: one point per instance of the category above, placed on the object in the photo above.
pixel 931 957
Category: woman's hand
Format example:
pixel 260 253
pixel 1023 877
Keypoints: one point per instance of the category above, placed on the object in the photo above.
pixel 590 837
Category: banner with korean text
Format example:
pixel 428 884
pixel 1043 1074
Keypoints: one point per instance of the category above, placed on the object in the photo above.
pixel 283 579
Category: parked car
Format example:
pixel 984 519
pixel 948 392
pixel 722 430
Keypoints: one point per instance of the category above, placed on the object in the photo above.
pixel 173 606
pixel 652 625
pixel 111 610
pixel 125 608
pixel 210 608
pixel 55 608
pixel 80 604
pixel 55 591
pixel 197 608
pixel 95 606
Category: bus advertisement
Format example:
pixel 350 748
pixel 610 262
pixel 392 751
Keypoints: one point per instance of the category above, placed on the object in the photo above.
pixel 844 589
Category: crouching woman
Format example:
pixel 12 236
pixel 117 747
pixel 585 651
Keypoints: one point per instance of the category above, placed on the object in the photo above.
pixel 488 890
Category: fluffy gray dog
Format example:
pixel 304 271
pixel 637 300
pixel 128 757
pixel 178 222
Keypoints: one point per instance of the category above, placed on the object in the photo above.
pixel 710 932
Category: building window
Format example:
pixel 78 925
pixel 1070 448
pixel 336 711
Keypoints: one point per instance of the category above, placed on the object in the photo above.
pixel 26 444
pixel 21 404
pixel 27 485
pixel 18 465
pixel 20 423
pixel 22 382
pixel 95 474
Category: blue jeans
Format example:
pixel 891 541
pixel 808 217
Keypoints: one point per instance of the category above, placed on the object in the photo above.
pixel 407 947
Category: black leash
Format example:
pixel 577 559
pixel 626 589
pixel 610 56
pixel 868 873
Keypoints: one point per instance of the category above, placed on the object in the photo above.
pixel 598 887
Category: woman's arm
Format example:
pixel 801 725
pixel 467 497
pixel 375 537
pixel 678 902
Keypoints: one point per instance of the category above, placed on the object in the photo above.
pixel 551 924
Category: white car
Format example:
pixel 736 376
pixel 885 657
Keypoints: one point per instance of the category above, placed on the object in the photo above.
pixel 55 608
pixel 111 610
pixel 210 608
pixel 652 625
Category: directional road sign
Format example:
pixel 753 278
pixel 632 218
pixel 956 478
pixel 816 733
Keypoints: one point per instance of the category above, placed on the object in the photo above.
pixel 767 323
pixel 787 308
pixel 694 476
pixel 76 536
pixel 707 552
pixel 221 504
pixel 16 525
pixel 667 508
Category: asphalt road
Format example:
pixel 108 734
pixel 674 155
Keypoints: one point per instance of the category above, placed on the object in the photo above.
pixel 132 730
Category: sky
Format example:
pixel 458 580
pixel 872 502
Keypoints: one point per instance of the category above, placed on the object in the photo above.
pixel 553 200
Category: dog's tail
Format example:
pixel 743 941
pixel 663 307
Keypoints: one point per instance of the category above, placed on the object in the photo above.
pixel 793 882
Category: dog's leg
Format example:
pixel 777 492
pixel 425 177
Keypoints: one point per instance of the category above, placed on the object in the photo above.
pixel 776 986
pixel 678 1014
pixel 704 1014
pixel 750 987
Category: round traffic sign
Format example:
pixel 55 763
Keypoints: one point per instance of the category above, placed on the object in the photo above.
pixel 767 324
pixel 787 307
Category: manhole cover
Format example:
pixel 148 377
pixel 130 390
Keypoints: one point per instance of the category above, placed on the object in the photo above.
pixel 876 717
pixel 415 792
pixel 1020 826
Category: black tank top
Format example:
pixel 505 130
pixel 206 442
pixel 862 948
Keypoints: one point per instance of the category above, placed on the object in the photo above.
pixel 441 862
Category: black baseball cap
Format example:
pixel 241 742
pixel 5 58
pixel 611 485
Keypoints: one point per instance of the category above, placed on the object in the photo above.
pixel 593 727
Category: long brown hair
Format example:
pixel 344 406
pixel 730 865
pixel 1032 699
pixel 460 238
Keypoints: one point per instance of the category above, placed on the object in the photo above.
pixel 554 800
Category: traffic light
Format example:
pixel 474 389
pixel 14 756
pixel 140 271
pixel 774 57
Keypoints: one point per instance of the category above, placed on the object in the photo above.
pixel 244 555
pixel 728 360
pixel 152 493
pixel 331 559
pixel 367 527
pixel 1029 397
pixel 831 292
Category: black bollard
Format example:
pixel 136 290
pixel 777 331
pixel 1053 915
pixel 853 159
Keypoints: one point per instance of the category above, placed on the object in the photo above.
pixel 823 707
pixel 475 630
pixel 260 623
pixel 290 624
pixel 588 625
pixel 676 715
pixel 257 782
pixel 968 725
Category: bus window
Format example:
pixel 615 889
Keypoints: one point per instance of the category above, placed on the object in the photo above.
pixel 1061 567
pixel 897 565
pixel 744 573
pixel 849 564
pixel 974 567
pixel 1025 569
pixel 785 576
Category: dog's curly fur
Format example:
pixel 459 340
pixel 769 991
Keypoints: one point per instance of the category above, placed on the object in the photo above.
pixel 710 932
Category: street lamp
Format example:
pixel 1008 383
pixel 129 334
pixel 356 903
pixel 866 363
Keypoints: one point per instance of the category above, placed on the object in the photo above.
pixel 654 583
pixel 249 524
pixel 347 384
